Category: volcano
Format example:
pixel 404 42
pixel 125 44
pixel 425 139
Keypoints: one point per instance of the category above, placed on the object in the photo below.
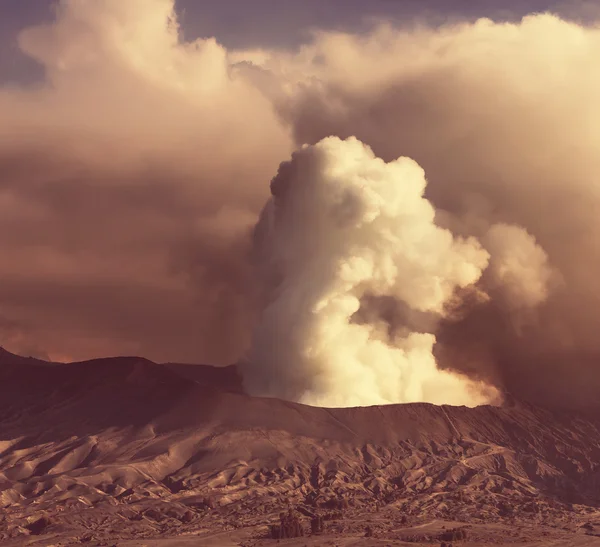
pixel 126 451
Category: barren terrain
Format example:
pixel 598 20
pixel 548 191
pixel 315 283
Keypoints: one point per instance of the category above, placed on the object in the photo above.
pixel 127 452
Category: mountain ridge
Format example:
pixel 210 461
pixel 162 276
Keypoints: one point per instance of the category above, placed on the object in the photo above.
pixel 126 434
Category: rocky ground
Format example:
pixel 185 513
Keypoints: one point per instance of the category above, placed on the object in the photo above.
pixel 127 452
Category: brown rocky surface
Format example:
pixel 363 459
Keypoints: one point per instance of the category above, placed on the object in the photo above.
pixel 128 452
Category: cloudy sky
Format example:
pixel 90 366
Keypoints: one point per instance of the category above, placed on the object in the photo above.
pixel 136 152
pixel 242 23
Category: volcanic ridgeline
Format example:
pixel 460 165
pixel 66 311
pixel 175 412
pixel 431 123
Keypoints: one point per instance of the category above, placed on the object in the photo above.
pixel 116 429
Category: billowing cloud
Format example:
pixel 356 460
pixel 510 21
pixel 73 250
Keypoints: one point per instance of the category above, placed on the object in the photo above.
pixel 132 177
pixel 503 120
pixel 343 225
pixel 519 268
pixel 130 181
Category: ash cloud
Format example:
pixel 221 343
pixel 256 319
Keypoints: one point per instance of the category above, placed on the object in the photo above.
pixel 130 181
pixel 503 120
pixel 134 175
pixel 342 225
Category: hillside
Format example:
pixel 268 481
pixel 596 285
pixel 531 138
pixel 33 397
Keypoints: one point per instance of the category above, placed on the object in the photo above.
pixel 125 448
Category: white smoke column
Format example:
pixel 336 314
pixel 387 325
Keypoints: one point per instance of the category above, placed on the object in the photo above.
pixel 343 224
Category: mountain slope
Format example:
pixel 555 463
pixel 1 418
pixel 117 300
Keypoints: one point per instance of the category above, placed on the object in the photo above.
pixel 125 436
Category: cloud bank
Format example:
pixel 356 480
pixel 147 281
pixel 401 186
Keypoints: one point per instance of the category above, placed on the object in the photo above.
pixel 133 177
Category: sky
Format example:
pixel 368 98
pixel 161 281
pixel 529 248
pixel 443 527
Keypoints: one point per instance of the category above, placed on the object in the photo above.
pixel 266 23
pixel 157 197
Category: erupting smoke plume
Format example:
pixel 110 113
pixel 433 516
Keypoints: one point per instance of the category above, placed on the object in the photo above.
pixel 342 225
pixel 133 176
pixel 503 120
